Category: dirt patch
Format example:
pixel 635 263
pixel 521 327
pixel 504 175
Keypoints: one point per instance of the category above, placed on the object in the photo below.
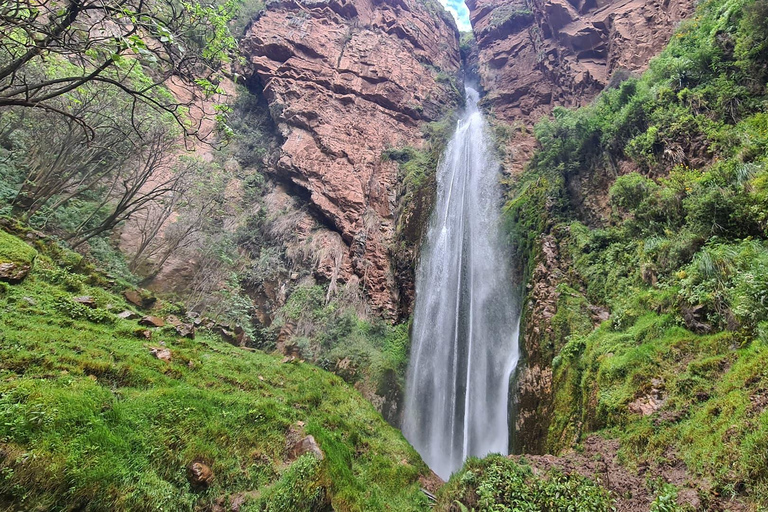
pixel 431 482
pixel 597 459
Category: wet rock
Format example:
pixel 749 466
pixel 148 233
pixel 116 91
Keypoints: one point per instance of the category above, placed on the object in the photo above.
pixel 199 475
pixel 127 315
pixel 162 354
pixel 14 272
pixel 305 445
pixel 152 321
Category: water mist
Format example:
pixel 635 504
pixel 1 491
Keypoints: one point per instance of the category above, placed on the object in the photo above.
pixel 466 317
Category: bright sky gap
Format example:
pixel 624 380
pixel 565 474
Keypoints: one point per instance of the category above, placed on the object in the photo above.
pixel 460 12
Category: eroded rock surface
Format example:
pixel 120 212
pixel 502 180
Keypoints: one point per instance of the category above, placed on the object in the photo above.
pixel 537 54
pixel 345 80
pixel 13 272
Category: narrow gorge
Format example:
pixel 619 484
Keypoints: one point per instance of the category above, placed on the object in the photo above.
pixel 277 256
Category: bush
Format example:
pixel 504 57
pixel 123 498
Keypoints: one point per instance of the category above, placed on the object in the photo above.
pixel 629 191
pixel 501 484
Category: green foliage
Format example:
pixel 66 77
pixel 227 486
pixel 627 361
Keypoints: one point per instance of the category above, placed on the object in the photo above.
pixel 629 191
pixel 501 484
pixel 298 488
pixel 677 258
pixel 372 352
pixel 666 501
pixel 245 12
pixel 90 419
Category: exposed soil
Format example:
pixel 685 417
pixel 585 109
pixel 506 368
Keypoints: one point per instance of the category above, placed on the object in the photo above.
pixel 597 459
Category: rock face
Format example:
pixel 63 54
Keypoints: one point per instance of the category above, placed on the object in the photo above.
pixel 345 80
pixel 537 54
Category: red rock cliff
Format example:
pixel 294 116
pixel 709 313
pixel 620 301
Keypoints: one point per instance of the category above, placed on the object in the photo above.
pixel 537 54
pixel 345 80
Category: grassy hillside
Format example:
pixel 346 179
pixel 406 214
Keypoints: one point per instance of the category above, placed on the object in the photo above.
pixel 656 197
pixel 90 419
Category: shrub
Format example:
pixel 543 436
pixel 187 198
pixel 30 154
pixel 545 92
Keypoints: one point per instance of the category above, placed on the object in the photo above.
pixel 501 484
pixel 629 191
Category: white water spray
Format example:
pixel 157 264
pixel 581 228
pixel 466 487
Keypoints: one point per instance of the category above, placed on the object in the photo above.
pixel 466 318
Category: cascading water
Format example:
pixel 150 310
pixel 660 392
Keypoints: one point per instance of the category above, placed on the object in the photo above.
pixel 466 316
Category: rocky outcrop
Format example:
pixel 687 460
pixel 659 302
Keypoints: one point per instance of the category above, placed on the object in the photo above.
pixel 533 383
pixel 13 272
pixel 345 80
pixel 537 54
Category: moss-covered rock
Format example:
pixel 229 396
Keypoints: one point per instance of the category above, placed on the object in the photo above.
pixel 16 258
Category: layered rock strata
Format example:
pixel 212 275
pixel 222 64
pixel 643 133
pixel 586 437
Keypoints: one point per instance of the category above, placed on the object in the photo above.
pixel 345 80
pixel 538 54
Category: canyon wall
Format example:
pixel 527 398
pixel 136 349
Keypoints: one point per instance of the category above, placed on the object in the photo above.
pixel 346 80
pixel 534 55
pixel 538 54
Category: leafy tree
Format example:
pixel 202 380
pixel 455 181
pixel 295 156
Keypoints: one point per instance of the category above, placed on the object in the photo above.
pixel 50 48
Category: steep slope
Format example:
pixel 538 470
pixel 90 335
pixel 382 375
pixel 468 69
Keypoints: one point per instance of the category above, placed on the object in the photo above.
pixel 642 223
pixel 345 81
pixel 101 412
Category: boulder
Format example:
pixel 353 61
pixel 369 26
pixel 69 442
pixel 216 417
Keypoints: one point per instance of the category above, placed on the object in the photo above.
pixel 185 331
pixel 142 300
pixel 86 300
pixel 13 272
pixel 199 475
pixel 305 445
pixel 16 258
pixel 162 354
pixel 128 315
pixel 172 320
pixel 133 297
pixel 152 321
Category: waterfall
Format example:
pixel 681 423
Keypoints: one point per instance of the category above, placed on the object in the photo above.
pixel 466 318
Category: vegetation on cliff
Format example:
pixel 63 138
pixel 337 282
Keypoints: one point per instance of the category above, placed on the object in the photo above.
pixel 656 201
pixel 98 413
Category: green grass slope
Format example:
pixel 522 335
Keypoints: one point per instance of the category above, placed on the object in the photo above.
pixel 91 420
pixel 679 256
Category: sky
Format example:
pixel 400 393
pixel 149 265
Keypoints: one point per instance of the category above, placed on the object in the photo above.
pixel 459 11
